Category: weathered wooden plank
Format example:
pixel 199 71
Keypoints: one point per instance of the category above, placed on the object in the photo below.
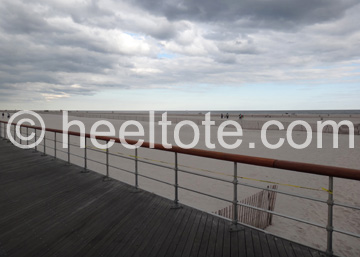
pixel 241 242
pixel 168 225
pixel 288 248
pixel 220 239
pixel 180 238
pixel 305 251
pixel 249 243
pixel 93 227
pixel 186 242
pixel 193 243
pixel 297 250
pixel 37 218
pixel 234 242
pixel 257 245
pixel 65 231
pixel 227 240
pixel 204 244
pixel 142 248
pixel 177 229
pixel 279 245
pixel 212 238
pixel 130 229
pixel 265 246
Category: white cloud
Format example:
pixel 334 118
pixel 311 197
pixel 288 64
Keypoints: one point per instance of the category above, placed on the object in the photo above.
pixel 145 71
pixel 49 97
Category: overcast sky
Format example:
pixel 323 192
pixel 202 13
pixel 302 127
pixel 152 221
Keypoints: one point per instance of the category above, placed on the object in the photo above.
pixel 184 54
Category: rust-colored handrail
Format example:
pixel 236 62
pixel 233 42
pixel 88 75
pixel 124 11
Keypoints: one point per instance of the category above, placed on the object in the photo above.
pixel 309 168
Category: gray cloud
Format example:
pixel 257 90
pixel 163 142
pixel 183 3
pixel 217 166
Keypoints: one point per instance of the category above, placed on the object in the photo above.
pixel 261 13
pixel 59 49
pixel 15 19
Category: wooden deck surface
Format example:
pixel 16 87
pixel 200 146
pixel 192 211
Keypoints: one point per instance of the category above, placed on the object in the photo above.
pixel 50 209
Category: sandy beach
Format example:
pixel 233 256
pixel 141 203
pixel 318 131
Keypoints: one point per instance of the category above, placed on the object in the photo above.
pixel 251 121
pixel 345 191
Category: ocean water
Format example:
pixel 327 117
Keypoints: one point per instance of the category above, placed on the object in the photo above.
pixel 236 112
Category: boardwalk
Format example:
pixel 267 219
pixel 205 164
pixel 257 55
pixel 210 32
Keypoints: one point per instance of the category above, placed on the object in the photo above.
pixel 50 209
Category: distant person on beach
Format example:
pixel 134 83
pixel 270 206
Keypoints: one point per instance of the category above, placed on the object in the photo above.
pixel 3 115
pixel 240 116
pixel 8 115
pixel 222 116
pixel 227 115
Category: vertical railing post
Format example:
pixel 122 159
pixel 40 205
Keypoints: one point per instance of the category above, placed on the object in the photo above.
pixel 136 169
pixel 44 153
pixel 4 129
pixel 27 135
pixel 35 149
pixel 7 136
pixel 107 178
pixel 176 185
pixel 68 153
pixel 14 133
pixel 329 227
pixel 55 145
pixel 20 141
pixel 1 125
pixel 5 132
pixel 234 226
pixel 4 138
pixel 136 172
pixel 85 158
pixel 107 162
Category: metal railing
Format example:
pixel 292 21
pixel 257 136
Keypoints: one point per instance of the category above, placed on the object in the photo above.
pixel 322 170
